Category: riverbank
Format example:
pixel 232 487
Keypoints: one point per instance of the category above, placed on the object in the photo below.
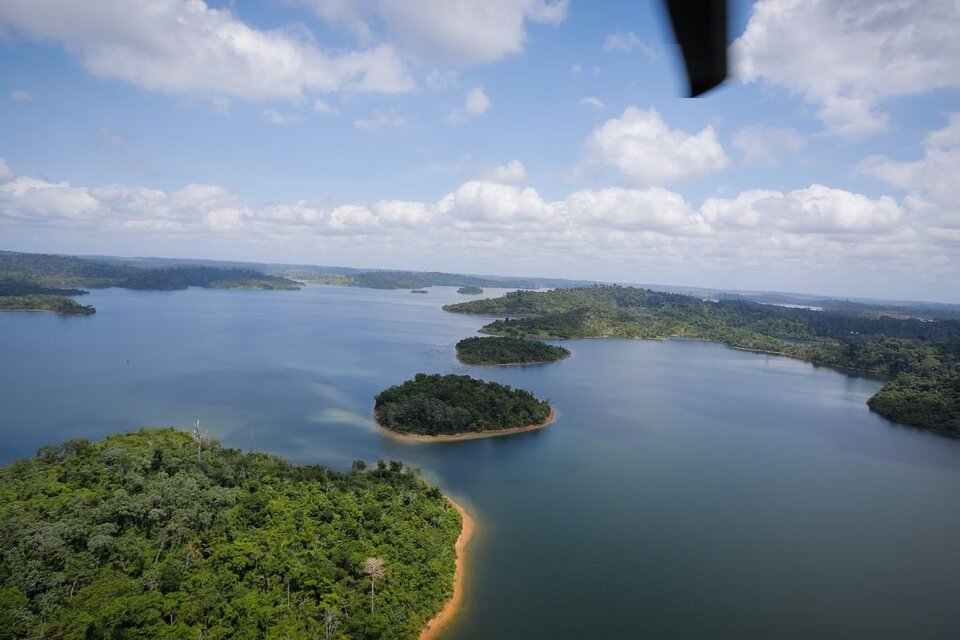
pixel 449 611
pixel 455 437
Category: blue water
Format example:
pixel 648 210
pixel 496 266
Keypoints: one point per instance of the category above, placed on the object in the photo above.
pixel 686 490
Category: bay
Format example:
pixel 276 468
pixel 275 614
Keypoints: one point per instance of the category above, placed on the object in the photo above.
pixel 686 490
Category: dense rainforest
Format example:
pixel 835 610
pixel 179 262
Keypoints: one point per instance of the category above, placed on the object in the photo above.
pixel 507 350
pixel 919 358
pixel 148 535
pixel 439 405
pixel 34 282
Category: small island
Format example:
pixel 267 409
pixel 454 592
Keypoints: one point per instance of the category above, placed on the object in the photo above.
pixel 508 351
pixel 418 291
pixel 166 534
pixel 455 407
pixel 470 290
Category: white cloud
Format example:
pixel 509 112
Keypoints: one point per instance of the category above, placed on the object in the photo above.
pixel 592 101
pixel 322 106
pixel 646 151
pixel 447 33
pixel 626 43
pixel 802 237
pixel 814 210
pixel 383 120
pixel 5 171
pixel 765 145
pixel 475 104
pixel 185 47
pixel 278 117
pixel 21 95
pixel 847 57
pixel 934 191
pixel 512 172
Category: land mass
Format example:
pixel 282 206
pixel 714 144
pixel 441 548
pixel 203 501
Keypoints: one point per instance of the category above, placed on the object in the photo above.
pixel 141 536
pixel 470 290
pixel 507 351
pixel 920 359
pixel 40 282
pixel 439 406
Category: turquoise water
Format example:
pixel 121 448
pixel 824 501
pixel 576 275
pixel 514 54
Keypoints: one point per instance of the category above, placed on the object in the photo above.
pixel 686 490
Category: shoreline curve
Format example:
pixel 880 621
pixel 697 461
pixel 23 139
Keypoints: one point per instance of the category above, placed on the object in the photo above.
pixel 452 606
pixel 456 437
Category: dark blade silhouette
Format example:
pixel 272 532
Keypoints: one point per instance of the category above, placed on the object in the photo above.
pixel 700 27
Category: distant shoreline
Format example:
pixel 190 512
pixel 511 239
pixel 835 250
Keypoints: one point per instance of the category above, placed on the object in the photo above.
pixel 452 606
pixel 455 437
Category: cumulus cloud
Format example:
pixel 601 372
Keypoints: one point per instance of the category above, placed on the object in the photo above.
pixel 847 57
pixel 383 121
pixel 647 152
pixel 278 117
pixel 592 101
pixel 475 104
pixel 322 106
pixel 445 32
pixel 21 95
pixel 513 171
pixel 767 145
pixel 626 43
pixel 817 231
pixel 934 192
pixel 186 47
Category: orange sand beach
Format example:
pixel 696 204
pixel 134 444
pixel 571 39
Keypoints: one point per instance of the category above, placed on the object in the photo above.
pixel 453 437
pixel 452 605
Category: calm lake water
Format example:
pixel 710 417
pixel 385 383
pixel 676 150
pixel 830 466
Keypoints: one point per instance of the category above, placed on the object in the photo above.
pixel 686 490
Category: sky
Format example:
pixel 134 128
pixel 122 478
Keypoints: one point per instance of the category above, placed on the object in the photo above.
pixel 507 137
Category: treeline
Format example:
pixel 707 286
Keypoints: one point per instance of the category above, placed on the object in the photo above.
pixel 422 279
pixel 30 282
pixel 470 290
pixel 135 537
pixel 435 405
pixel 918 357
pixel 505 350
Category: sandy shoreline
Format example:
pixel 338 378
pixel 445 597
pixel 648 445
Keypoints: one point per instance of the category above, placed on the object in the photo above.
pixel 413 437
pixel 450 608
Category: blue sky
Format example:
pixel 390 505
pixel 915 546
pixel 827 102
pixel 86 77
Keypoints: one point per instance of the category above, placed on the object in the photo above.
pixel 509 136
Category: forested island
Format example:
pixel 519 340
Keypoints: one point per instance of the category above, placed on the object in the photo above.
pixel 419 291
pixel 507 351
pixel 919 359
pixel 158 534
pixel 453 406
pixel 40 282
pixel 470 290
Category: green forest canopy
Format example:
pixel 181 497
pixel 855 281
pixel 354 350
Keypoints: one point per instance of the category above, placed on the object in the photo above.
pixel 507 350
pixel 134 537
pixel 436 405
pixel 920 359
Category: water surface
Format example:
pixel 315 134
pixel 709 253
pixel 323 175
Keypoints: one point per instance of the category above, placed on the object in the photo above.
pixel 686 490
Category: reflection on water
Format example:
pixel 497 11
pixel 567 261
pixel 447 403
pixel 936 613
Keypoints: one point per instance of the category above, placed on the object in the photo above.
pixel 686 490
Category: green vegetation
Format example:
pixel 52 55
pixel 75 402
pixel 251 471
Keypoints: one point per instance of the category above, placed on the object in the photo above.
pixel 143 536
pixel 43 302
pixel 505 350
pixel 36 282
pixel 438 405
pixel 420 279
pixel 470 290
pixel 919 358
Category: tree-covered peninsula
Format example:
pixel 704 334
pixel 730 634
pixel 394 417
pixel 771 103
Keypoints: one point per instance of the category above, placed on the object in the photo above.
pixel 919 358
pixel 507 350
pixel 40 282
pixel 453 405
pixel 148 535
